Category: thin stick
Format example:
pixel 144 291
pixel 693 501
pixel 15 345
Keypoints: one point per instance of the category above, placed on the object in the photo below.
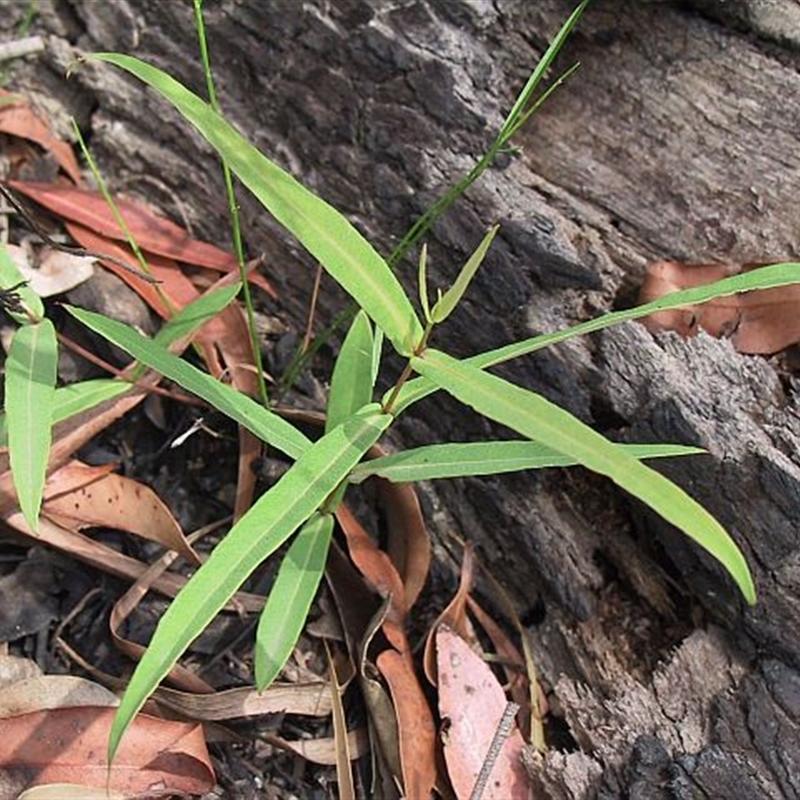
pixel 503 731
pixel 312 310
pixel 118 373
pixel 21 47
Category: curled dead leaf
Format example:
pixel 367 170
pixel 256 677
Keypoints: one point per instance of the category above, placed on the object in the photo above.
pixel 758 322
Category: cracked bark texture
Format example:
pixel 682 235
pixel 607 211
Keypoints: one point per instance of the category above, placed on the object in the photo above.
pixel 678 138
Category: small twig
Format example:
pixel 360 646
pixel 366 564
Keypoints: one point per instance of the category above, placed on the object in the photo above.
pixel 503 731
pixel 118 373
pixel 312 308
pixel 73 251
pixel 21 47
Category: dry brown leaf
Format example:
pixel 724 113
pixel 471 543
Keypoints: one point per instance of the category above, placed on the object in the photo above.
pixel 373 564
pixel 472 703
pixel 109 560
pixel 323 751
pixel 172 282
pixel 178 675
pixel 514 667
pixel 408 541
pixel 105 499
pixel 759 322
pixel 454 616
pixel 71 745
pixel 152 232
pixel 56 272
pixel 14 669
pixel 415 723
pixel 17 119
pixel 60 791
pixel 344 772
pixel 230 334
pixel 308 699
pixel 74 433
pixel 47 692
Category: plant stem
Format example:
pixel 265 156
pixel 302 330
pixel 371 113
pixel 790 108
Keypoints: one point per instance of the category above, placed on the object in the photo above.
pixel 233 209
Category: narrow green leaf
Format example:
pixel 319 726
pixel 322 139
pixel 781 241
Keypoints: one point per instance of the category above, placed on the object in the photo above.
pixel 351 382
pixel 447 303
pixel 196 314
pixel 265 424
pixel 264 528
pixel 344 253
pixel 10 276
pixel 75 399
pixel 30 381
pixel 284 615
pixel 524 97
pixel 377 351
pixel 422 280
pixel 79 397
pixel 764 278
pixel 458 460
pixel 543 421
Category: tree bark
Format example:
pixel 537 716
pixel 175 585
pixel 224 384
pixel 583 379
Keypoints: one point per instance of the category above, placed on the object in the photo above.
pixel 677 138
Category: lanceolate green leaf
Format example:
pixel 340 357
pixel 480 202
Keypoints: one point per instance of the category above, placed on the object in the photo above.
pixel 239 407
pixel 351 382
pixel 76 398
pixel 450 299
pixel 344 253
pixel 79 397
pixel 543 421
pixel 487 458
pixel 764 278
pixel 290 598
pixel 264 528
pixel 196 314
pixel 422 281
pixel 30 381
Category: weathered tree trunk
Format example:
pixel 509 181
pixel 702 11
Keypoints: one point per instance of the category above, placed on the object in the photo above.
pixel 678 138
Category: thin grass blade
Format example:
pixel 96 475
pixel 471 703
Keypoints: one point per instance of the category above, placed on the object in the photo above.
pixel 458 460
pixel 284 615
pixel 763 278
pixel 540 420
pixel 524 97
pixel 264 528
pixel 30 380
pixel 351 382
pixel 344 253
pixel 263 423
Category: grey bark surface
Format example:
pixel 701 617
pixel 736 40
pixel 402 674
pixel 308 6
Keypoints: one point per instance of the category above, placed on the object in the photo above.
pixel 678 138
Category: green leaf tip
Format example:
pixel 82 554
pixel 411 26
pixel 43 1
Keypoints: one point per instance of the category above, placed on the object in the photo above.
pixel 540 420
pixel 446 303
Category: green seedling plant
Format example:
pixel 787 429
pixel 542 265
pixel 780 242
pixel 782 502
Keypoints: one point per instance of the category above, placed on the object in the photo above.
pixel 298 509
